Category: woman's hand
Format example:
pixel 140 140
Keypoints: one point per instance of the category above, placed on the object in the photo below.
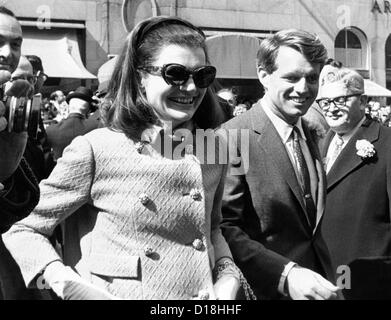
pixel 226 288
pixel 68 285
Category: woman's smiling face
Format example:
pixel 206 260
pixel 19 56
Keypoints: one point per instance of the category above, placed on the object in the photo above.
pixel 175 104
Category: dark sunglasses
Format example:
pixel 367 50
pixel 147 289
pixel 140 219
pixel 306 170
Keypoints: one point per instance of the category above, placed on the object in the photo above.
pixel 176 74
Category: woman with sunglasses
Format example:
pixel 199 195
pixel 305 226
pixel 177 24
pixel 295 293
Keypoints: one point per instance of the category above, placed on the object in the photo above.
pixel 151 228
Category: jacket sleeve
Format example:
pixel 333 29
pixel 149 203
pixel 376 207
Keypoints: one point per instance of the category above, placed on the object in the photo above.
pixel 220 245
pixel 66 190
pixel 241 227
pixel 19 198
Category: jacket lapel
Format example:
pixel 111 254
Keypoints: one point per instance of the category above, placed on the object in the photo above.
pixel 270 142
pixel 314 150
pixel 348 159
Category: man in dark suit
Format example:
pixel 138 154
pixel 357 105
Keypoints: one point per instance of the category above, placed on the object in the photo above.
pixel 357 153
pixel 60 135
pixel 19 191
pixel 273 209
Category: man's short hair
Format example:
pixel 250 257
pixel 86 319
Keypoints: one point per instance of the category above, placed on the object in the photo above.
pixel 304 42
pixel 7 11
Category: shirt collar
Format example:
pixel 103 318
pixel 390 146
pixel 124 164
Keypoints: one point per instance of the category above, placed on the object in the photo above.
pixel 284 129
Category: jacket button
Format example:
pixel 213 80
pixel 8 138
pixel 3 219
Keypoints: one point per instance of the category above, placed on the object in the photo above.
pixel 203 295
pixel 143 198
pixel 148 251
pixel 198 244
pixel 195 194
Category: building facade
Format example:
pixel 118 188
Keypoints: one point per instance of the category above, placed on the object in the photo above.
pixel 356 32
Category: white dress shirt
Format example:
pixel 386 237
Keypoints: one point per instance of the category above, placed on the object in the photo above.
pixel 285 132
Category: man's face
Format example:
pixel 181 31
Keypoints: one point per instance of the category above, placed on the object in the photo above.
pixel 24 71
pixel 10 42
pixel 293 86
pixel 342 117
pixel 60 96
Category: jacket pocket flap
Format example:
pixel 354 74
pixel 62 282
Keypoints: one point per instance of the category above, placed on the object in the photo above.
pixel 114 266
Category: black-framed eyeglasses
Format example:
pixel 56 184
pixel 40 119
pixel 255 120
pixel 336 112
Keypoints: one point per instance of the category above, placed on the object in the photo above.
pixel 30 78
pixel 338 101
pixel 176 74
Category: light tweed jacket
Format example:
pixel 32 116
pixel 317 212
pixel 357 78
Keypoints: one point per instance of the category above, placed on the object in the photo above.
pixel 149 228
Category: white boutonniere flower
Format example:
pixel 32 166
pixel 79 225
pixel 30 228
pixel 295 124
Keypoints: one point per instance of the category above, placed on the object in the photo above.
pixel 365 149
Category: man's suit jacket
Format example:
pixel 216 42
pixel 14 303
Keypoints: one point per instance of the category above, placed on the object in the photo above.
pixel 264 216
pixel 357 216
pixel 61 134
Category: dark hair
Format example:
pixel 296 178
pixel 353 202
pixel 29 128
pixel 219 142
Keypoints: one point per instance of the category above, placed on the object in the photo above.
pixel 334 63
pixel 125 107
pixel 7 12
pixel 36 62
pixel 304 42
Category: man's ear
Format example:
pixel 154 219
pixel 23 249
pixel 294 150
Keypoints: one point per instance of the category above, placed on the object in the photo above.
pixel 263 76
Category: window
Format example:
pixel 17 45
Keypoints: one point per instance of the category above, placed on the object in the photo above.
pixel 351 48
pixel 388 52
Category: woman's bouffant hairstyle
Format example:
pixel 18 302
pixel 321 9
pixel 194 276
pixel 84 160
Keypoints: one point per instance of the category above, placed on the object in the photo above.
pixel 125 107
pixel 304 42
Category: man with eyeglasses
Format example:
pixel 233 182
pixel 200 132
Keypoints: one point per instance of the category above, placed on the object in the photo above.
pixel 357 153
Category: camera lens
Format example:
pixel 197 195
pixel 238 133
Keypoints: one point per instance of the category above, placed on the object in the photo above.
pixel 22 114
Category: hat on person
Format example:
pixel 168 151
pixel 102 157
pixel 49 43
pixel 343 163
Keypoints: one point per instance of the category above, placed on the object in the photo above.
pixel 81 93
pixel 340 81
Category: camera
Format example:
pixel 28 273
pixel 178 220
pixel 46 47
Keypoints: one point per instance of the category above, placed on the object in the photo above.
pixel 22 114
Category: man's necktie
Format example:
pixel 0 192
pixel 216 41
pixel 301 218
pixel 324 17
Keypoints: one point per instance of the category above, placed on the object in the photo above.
pixel 337 150
pixel 304 177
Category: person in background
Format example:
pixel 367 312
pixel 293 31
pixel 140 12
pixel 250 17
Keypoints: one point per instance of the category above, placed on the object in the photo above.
pixel 57 98
pixel 37 153
pixel 61 134
pixel 375 109
pixel 357 155
pixel 228 99
pixel 152 227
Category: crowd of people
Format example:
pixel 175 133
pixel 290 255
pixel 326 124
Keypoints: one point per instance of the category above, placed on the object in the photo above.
pixel 123 195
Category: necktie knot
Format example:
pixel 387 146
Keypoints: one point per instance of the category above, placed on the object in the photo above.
pixel 296 133
pixel 339 141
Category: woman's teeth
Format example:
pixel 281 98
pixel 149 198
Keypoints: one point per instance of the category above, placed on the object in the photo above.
pixel 183 100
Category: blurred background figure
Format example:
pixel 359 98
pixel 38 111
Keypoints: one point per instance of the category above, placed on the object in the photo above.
pixel 228 99
pixel 374 112
pixel 57 98
pixel 239 109
pixel 384 115
pixel 38 152
pixel 95 118
pixel 61 134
